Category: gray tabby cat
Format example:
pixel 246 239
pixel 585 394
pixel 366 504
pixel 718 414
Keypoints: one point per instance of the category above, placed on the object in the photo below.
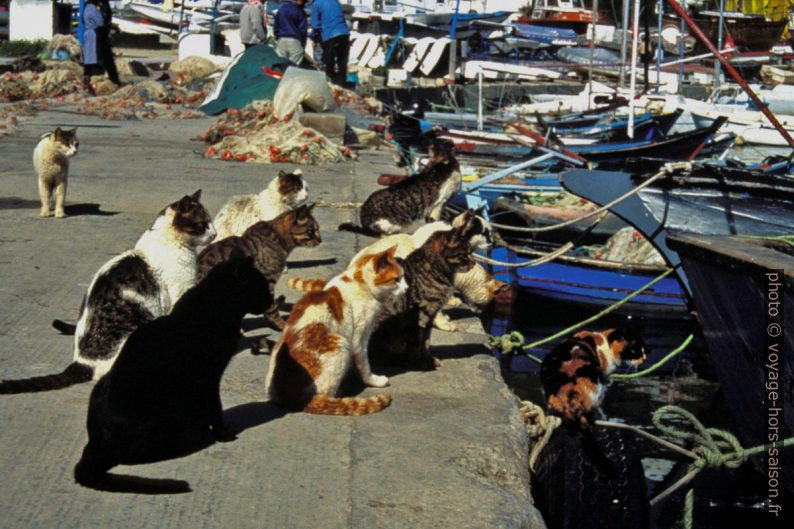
pixel 129 290
pixel 420 197
pixel 403 334
pixel 285 192
pixel 269 243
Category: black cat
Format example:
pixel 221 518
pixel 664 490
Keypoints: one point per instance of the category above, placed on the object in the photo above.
pixel 161 398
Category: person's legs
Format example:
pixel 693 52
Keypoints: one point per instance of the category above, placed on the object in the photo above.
pixel 342 54
pixel 290 49
pixel 329 53
pixel 105 52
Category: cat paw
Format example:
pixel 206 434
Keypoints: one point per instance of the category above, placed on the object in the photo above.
pixel 262 346
pixel 454 301
pixel 377 381
pixel 443 323
pixel 44 213
pixel 60 215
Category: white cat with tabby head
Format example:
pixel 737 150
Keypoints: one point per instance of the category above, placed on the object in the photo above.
pixel 285 192
pixel 51 161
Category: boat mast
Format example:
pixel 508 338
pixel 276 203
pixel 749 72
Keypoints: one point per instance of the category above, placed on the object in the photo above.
pixel 453 46
pixel 659 46
pixel 622 79
pixel 719 47
pixel 635 28
pixel 732 71
pixel 592 50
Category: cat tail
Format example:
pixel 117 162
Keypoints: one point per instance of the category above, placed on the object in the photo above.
pixel 322 405
pixel 64 328
pixel 75 373
pixel 306 285
pixel 349 226
pixel 92 473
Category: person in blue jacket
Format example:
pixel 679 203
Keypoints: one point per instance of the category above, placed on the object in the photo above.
pixel 291 28
pixel 330 29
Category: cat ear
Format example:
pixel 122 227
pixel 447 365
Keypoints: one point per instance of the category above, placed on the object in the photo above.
pixel 479 211
pixel 282 173
pixel 57 133
pixel 196 195
pixel 385 259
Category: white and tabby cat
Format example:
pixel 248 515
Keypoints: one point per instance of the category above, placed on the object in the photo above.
pixel 285 192
pixel 51 162
pixel 129 290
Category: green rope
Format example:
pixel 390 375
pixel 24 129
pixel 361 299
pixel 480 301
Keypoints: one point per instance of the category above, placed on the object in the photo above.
pixel 660 363
pixel 601 314
pixel 514 342
pixel 787 239
pixel 712 448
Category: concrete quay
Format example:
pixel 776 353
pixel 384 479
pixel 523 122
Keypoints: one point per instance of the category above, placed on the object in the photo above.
pixel 450 452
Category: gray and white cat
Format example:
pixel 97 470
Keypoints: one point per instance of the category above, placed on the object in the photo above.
pixel 419 197
pixel 51 161
pixel 285 192
pixel 129 290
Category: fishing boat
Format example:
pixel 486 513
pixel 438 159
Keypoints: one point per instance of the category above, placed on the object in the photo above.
pixel 568 14
pixel 731 286
pixel 706 198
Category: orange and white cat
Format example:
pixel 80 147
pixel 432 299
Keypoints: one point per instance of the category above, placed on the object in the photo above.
pixel 327 333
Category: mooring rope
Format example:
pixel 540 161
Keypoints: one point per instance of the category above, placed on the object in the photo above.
pixel 711 447
pixel 533 262
pixel 599 315
pixel 667 169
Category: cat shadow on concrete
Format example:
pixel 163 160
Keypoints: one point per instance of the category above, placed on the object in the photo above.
pixel 310 263
pixel 72 210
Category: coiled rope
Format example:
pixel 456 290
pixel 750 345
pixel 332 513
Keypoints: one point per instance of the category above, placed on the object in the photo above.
pixel 711 447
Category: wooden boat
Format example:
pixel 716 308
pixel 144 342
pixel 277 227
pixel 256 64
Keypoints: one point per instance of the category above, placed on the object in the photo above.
pixel 708 199
pixel 731 286
pixel 568 14
pixel 593 282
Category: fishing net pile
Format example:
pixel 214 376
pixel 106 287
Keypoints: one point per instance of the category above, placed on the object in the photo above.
pixel 12 114
pixel 254 134
pixel 33 85
pixel 64 47
pixel 147 99
pixel 628 245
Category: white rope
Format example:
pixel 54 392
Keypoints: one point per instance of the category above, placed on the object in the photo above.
pixel 534 262
pixel 539 428
pixel 667 169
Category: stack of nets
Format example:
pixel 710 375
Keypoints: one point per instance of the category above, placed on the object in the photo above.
pixel 190 69
pixel 10 116
pixel 147 100
pixel 253 134
pixel 628 245
pixel 67 44
pixel 32 85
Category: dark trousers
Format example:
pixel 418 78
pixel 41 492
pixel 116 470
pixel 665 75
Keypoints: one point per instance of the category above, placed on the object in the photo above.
pixel 105 54
pixel 335 54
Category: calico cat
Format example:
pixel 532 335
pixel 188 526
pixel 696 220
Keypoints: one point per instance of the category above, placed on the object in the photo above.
pixel 161 398
pixel 285 192
pixel 129 290
pixel 269 243
pixel 327 331
pixel 402 334
pixel 422 196
pixel 575 374
pixel 51 162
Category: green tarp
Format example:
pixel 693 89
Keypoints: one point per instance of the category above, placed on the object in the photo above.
pixel 253 74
